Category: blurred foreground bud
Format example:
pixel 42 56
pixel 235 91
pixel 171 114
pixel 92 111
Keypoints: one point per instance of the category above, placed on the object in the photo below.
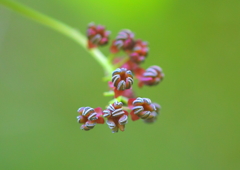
pixel 124 41
pixel 97 35
pixel 140 52
pixel 152 76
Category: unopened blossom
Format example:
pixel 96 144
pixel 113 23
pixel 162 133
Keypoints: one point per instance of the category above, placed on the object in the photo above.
pixel 139 52
pixel 124 41
pixel 141 108
pixel 122 79
pixel 97 35
pixel 152 76
pixel 89 117
pixel 116 116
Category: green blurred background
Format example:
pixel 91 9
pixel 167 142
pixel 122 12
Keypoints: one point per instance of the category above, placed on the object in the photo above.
pixel 45 77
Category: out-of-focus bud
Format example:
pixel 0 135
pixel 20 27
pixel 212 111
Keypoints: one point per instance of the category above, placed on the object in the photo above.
pixel 152 76
pixel 124 41
pixel 97 35
pixel 140 52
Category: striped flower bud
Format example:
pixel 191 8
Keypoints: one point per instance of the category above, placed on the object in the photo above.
pixel 114 110
pixel 124 41
pixel 122 79
pixel 154 114
pixel 152 76
pixel 88 126
pixel 89 117
pixel 97 35
pixel 140 51
pixel 116 117
pixel 142 107
pixel 88 112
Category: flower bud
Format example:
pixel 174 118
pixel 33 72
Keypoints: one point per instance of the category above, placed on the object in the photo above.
pixel 88 112
pixel 97 35
pixel 124 41
pixel 140 52
pixel 142 107
pixel 114 110
pixel 89 117
pixel 122 79
pixel 152 76
pixel 117 118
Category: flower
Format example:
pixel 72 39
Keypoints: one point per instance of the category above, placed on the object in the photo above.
pixel 116 117
pixel 97 35
pixel 140 52
pixel 152 76
pixel 89 117
pixel 141 108
pixel 124 41
pixel 122 79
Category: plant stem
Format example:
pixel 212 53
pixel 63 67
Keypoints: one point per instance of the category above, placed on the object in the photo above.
pixel 70 32
pixel 108 93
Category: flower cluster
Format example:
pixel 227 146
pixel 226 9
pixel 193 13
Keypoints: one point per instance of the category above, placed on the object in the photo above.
pixel 127 68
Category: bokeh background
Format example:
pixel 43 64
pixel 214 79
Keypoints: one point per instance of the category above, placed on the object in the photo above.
pixel 45 77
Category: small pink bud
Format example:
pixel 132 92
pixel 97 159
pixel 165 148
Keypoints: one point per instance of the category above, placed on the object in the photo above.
pixel 124 41
pixel 97 35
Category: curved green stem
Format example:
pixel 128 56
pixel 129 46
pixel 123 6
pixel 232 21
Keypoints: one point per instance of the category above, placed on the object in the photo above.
pixel 70 32
pixel 108 93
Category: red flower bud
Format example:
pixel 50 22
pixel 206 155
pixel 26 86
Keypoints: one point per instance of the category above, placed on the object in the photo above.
pixel 142 107
pixel 114 110
pixel 90 117
pixel 124 41
pixel 122 79
pixel 140 52
pixel 152 76
pixel 117 118
pixel 97 35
